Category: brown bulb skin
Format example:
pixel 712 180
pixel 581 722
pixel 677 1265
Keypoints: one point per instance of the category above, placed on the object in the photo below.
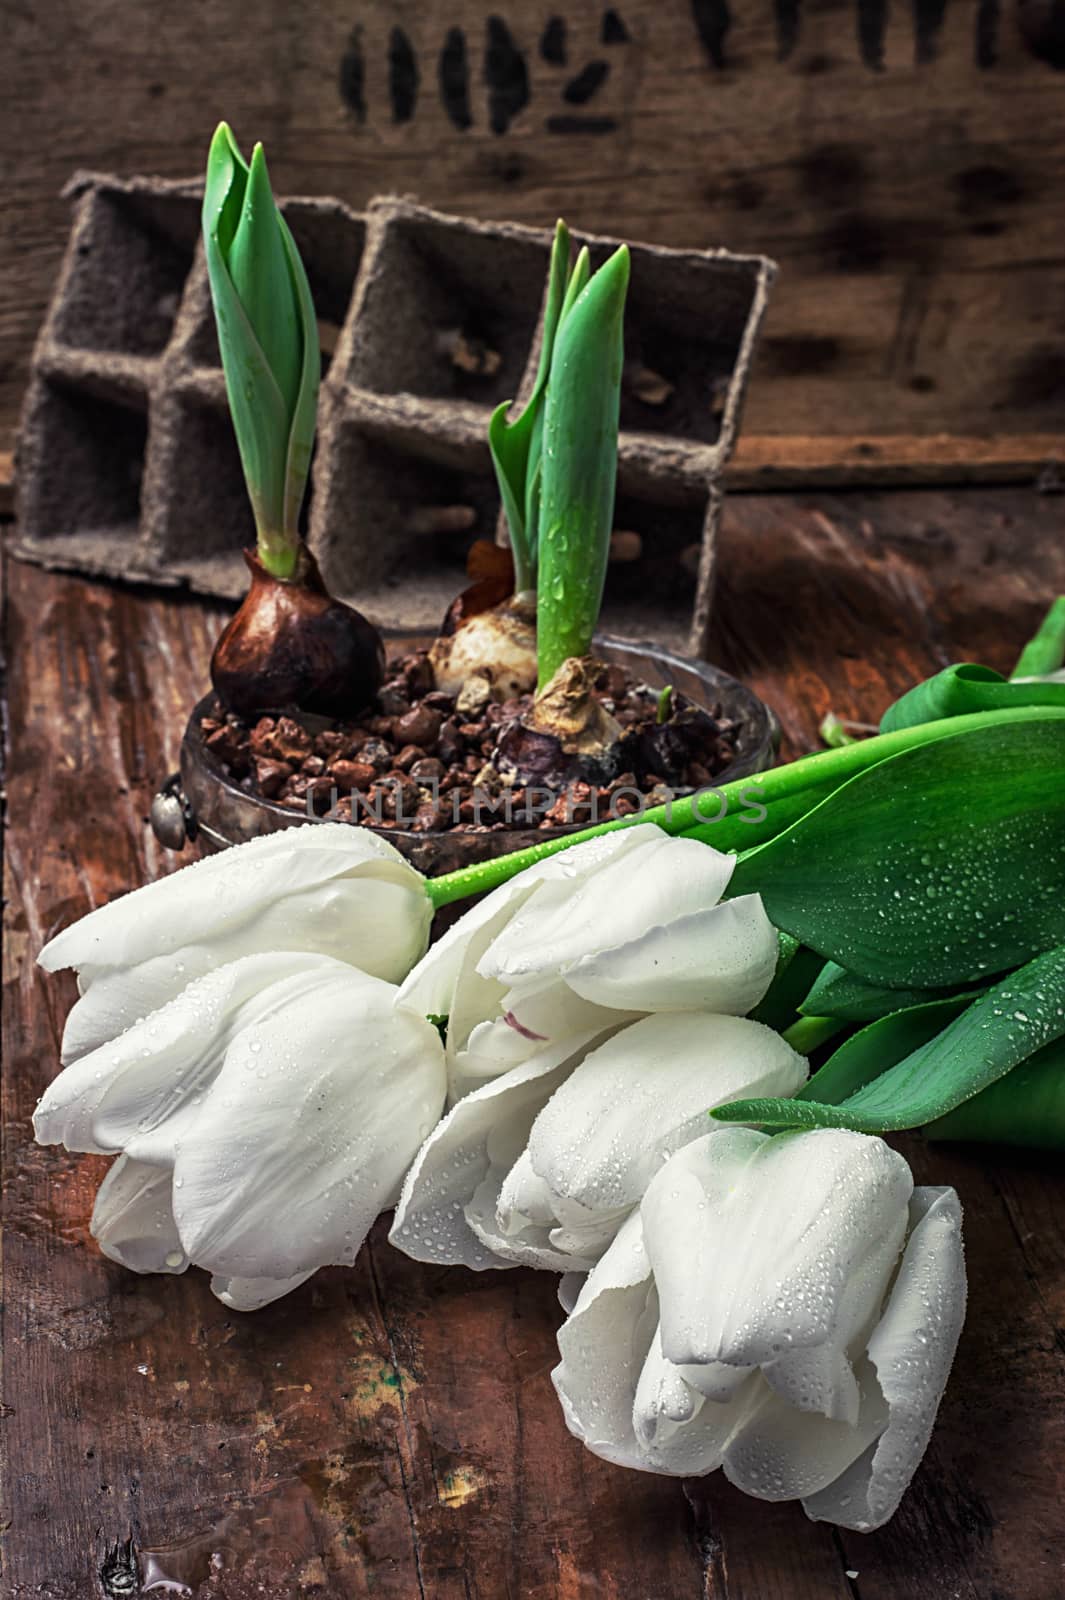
pixel 293 647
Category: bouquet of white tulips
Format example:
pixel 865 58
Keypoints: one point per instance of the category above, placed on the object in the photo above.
pixel 267 1047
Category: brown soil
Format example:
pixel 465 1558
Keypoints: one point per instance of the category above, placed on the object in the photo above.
pixel 423 762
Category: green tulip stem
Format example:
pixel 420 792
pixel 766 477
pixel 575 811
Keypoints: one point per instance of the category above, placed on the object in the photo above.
pixel 782 795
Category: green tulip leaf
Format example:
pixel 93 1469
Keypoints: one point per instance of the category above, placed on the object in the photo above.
pixel 836 992
pixel 1026 1107
pixel 259 267
pixel 268 336
pixel 960 690
pixel 1045 651
pixel 1010 1023
pixel 256 405
pixel 934 868
pixel 876 1048
pixel 305 412
pixel 579 462
pixel 515 447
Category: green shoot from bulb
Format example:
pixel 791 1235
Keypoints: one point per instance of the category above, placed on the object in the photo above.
pixel 557 464
pixel 268 337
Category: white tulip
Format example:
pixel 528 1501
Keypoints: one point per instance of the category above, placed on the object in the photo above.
pixel 263 1118
pixel 784 1308
pixel 328 888
pixel 541 1165
pixel 627 923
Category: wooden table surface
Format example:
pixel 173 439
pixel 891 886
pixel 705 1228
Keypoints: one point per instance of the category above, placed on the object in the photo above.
pixel 391 1430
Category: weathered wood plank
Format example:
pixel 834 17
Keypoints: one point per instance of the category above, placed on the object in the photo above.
pixel 765 462
pixel 903 163
pixel 391 1431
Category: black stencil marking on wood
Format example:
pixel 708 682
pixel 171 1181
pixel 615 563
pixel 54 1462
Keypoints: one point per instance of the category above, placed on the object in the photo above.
pixel 712 22
pixel 786 17
pixel 986 41
pixel 578 124
pixel 588 82
pixel 872 25
pixel 403 76
pixel 1042 25
pixel 351 79
pixel 927 21
pixel 506 74
pixel 455 80
pixel 553 42
pixel 614 30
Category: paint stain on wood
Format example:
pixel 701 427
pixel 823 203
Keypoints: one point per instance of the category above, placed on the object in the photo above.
pixel 455 80
pixel 712 19
pixel 1042 25
pixel 553 42
pixel 928 18
pixel 404 76
pixel 351 79
pixel 872 25
pixel 786 21
pixel 588 82
pixel 506 74
pixel 985 44
pixel 613 30
pixel 577 125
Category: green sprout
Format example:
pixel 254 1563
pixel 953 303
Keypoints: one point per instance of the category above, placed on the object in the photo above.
pixel 268 336
pixel 557 464
pixel 1045 652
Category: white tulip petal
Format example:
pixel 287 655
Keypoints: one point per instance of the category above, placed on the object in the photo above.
pixel 570 1285
pixel 581 1233
pixel 530 1022
pixel 518 1244
pixel 525 1195
pixel 715 1380
pixel 718 958
pixel 754 1240
pixel 430 990
pixel 646 1092
pixel 662 1395
pixel 680 1431
pixel 251 1294
pixel 912 1349
pixel 479 1140
pixel 550 1010
pixel 308 1129
pixel 330 889
pixel 132 1220
pixel 656 880
pixel 603 1344
pixel 492 1049
pixel 780 1453
pixel 125 1089
pixel 820 1377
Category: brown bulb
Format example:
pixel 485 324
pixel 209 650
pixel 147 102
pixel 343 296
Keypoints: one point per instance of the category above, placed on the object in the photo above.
pixel 293 647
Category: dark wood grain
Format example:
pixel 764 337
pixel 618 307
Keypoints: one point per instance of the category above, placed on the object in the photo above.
pixel 902 162
pixel 391 1431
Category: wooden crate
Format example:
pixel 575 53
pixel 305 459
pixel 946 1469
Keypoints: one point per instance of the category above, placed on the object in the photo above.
pixel 903 164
